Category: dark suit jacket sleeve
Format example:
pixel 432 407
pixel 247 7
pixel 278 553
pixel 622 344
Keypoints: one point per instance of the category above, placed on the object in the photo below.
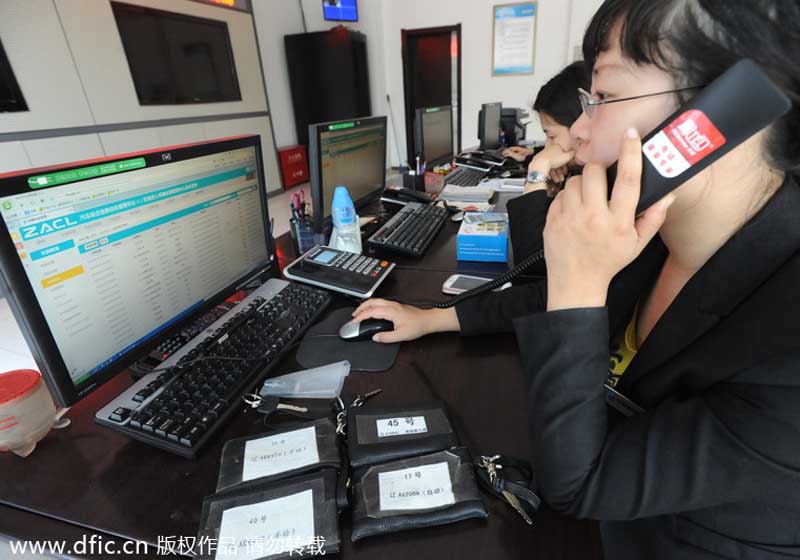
pixel 494 312
pixel 727 445
pixel 526 217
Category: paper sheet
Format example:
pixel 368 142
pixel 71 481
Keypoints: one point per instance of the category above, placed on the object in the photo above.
pixel 514 38
pixel 389 427
pixel 416 488
pixel 267 528
pixel 280 453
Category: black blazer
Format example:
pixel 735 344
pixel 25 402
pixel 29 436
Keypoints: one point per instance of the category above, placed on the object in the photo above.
pixel 527 215
pixel 712 468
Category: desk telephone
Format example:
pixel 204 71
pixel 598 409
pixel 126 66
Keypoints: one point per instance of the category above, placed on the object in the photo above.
pixel 404 194
pixel 483 161
pixel 348 273
pixel 739 103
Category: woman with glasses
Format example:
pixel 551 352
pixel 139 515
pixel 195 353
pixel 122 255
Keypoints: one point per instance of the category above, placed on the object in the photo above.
pixel 558 109
pixel 698 456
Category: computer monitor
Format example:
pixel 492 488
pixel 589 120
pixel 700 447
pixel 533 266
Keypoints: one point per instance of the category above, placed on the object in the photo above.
pixel 489 125
pixel 350 153
pixel 176 59
pixel 340 10
pixel 104 259
pixel 433 131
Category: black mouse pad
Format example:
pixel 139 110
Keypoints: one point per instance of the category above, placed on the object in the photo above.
pixel 322 345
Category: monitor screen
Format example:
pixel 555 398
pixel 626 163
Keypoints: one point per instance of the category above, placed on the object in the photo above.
pixel 340 10
pixel 435 134
pixel 489 125
pixel 104 257
pixel 350 153
pixel 176 58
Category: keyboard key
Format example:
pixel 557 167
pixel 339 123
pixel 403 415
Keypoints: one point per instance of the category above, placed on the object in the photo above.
pixel 190 437
pixel 120 414
pixel 150 425
pixel 164 427
pixel 142 395
pixel 179 428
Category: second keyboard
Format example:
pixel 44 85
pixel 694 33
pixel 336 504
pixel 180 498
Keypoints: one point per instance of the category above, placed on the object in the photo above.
pixel 411 230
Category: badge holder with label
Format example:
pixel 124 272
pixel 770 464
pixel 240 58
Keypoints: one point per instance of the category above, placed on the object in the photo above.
pixel 424 491
pixel 380 435
pixel 295 518
pixel 279 455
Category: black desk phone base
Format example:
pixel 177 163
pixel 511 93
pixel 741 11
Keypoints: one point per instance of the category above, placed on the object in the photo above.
pixel 348 273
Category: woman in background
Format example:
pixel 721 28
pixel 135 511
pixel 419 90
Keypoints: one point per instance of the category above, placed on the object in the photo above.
pixel 558 107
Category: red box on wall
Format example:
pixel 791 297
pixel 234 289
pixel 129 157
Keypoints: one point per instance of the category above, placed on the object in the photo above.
pixel 294 165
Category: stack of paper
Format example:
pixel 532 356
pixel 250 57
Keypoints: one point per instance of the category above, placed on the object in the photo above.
pixel 505 185
pixel 454 193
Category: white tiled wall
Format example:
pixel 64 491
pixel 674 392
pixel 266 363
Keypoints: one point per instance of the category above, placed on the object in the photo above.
pixel 51 151
pixel 13 156
pixel 68 59
pixel 40 58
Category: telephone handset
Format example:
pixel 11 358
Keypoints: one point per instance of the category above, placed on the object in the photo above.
pixel 739 103
pixel 406 194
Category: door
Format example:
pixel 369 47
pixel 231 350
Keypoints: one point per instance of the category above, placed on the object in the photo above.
pixel 432 76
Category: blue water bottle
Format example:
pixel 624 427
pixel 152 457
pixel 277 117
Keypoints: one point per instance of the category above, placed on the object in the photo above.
pixel 346 234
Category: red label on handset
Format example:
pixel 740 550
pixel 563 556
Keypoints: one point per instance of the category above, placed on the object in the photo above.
pixel 682 143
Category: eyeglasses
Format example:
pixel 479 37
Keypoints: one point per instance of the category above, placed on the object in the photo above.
pixel 588 102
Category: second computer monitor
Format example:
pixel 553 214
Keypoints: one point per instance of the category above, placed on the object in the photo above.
pixel 351 153
pixel 433 129
pixel 489 125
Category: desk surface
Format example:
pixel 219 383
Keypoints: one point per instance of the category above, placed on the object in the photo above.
pixel 87 478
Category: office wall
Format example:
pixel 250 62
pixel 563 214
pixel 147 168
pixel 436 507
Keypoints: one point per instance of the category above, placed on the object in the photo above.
pixel 560 28
pixel 581 13
pixel 276 18
pixel 40 58
pixel 68 58
pixel 477 83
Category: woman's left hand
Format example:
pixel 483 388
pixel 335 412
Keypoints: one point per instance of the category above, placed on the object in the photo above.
pixel 588 239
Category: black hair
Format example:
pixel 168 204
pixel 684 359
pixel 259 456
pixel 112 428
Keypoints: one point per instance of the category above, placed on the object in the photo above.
pixel 697 40
pixel 559 96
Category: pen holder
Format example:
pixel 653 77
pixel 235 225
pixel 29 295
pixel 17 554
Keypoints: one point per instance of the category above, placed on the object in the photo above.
pixel 413 181
pixel 303 236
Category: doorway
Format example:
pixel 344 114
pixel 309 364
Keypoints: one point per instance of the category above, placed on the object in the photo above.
pixel 431 77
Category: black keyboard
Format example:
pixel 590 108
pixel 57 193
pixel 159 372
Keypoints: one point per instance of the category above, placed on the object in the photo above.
pixel 181 407
pixel 411 230
pixel 464 177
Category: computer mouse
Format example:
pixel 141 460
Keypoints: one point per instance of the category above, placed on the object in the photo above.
pixel 365 329
pixel 457 217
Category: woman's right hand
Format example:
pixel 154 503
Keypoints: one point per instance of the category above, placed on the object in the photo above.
pixel 552 161
pixel 409 322
pixel 552 157
pixel 518 153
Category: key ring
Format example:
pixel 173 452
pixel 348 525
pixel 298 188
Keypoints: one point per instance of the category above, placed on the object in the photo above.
pixel 340 417
pixel 252 399
pixel 488 463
